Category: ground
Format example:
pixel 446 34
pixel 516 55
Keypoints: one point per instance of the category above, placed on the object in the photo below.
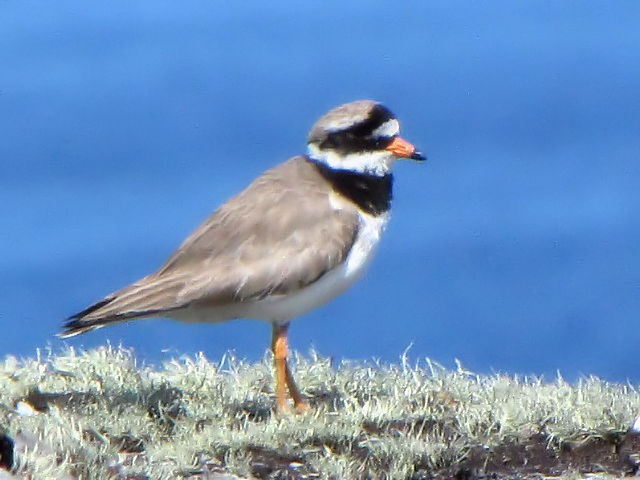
pixel 97 414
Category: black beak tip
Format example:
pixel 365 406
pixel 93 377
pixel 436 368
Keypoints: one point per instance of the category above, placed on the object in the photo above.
pixel 418 156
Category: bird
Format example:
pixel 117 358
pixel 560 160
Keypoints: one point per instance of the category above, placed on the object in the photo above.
pixel 298 236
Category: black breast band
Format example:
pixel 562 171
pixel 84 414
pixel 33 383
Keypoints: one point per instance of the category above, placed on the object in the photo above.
pixel 371 193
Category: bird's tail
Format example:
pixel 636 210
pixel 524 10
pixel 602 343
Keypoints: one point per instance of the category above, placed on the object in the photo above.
pixel 149 297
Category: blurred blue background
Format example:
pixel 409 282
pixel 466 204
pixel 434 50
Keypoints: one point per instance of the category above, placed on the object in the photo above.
pixel 515 249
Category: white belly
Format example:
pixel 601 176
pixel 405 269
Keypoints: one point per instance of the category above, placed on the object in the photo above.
pixel 282 308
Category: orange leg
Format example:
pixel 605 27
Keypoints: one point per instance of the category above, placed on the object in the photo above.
pixel 284 379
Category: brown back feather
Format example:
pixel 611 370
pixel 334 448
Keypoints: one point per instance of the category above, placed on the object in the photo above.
pixel 236 255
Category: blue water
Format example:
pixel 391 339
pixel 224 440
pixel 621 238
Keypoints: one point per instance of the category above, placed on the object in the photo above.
pixel 515 248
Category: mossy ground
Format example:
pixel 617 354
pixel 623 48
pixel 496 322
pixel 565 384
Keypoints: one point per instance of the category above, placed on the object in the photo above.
pixel 97 414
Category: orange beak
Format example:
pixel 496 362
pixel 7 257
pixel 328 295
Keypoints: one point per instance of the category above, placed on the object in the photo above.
pixel 403 149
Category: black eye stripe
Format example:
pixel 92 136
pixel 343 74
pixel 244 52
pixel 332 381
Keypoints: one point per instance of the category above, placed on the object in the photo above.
pixel 357 138
pixel 348 142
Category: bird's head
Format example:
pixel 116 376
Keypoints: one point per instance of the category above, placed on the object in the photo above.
pixel 361 136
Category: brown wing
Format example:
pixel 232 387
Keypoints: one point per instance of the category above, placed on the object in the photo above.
pixel 277 236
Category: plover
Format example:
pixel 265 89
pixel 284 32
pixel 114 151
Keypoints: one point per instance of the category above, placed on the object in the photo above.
pixel 299 235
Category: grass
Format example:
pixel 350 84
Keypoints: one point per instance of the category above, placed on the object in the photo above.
pixel 97 414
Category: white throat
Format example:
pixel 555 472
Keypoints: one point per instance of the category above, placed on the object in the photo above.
pixel 371 162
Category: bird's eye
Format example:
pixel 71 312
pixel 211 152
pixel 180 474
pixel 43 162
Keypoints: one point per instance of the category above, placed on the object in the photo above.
pixel 382 142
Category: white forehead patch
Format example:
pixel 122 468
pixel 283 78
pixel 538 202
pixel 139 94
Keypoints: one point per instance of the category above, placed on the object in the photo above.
pixel 390 128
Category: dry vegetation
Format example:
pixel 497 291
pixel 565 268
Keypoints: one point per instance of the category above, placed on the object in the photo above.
pixel 98 415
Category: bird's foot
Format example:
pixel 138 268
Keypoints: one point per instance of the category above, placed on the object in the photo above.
pixel 302 406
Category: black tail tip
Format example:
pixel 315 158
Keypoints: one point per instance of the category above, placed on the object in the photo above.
pixel 72 326
pixel 76 324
